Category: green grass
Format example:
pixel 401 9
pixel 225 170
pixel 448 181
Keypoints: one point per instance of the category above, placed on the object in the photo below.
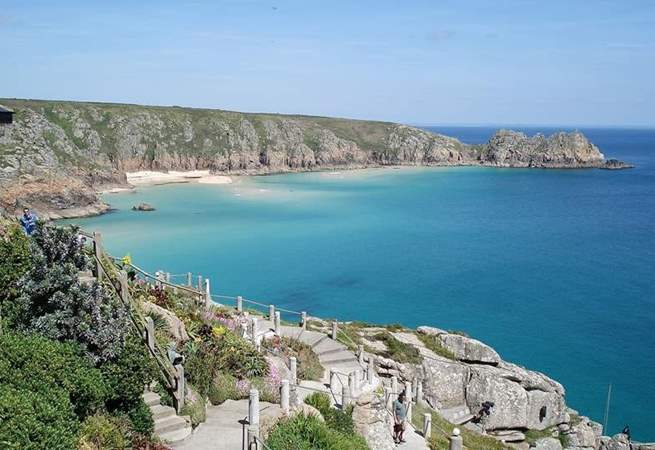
pixel 441 429
pixel 432 343
pixel 397 350
pixel 532 436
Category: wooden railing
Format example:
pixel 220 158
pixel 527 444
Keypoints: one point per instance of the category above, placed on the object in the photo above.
pixel 172 375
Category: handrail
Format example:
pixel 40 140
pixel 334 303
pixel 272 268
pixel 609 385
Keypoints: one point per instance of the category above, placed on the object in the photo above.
pixel 164 282
pixel 166 371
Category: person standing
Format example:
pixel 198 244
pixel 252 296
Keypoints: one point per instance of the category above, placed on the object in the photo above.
pixel 399 418
pixel 28 221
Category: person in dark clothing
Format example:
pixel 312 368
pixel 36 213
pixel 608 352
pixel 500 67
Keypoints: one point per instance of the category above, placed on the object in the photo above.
pixel 28 222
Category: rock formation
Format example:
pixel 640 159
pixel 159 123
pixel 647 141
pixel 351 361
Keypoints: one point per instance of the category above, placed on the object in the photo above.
pixel 143 207
pixel 56 155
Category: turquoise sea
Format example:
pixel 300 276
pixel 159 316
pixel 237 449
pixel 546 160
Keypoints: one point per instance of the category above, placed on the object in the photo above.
pixel 553 268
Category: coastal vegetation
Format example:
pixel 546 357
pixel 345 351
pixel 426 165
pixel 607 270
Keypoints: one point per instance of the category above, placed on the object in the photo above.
pixel 71 371
pixel 334 429
pixel 432 343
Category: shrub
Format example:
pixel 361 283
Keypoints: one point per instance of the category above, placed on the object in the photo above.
pixel 14 259
pixel 223 352
pixel 336 419
pixel 309 366
pixel 397 350
pixel 37 364
pixel 224 387
pixel 303 432
pixel 36 420
pixel 140 418
pixel 104 432
pixel 196 411
pixel 319 400
pixel 127 375
pixel 53 302
pixel 228 387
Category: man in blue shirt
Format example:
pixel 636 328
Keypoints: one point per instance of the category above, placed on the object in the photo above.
pixel 28 222
pixel 399 418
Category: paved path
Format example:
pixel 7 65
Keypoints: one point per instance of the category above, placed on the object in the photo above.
pixel 224 427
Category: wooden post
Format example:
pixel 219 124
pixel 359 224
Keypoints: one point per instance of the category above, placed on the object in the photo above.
pixel 189 279
pixel 253 434
pixel 239 303
pixel 455 440
pixel 278 323
pixel 334 330
pixel 253 415
pixel 345 395
pixel 427 425
pixel 271 312
pixel 253 330
pixel 150 333
pixel 168 277
pixel 293 368
pixel 208 295
pixel 125 290
pixel 394 385
pixel 180 388
pixel 98 252
pixel 352 384
pixel 284 396
pixel 334 377
pixel 303 320
pixel 200 282
pixel 360 354
pixel 408 399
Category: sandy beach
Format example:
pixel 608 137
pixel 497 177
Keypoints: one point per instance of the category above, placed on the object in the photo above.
pixel 148 177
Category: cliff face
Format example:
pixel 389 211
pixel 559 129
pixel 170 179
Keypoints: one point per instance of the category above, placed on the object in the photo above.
pixel 56 154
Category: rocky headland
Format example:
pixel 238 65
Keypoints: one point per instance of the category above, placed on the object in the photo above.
pixel 56 156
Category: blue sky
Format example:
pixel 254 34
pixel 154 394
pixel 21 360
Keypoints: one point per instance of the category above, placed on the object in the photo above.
pixel 428 62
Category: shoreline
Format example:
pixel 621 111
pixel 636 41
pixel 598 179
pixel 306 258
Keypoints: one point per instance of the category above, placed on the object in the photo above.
pixel 153 178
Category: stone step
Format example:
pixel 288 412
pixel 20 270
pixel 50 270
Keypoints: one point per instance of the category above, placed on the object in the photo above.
pixel 177 435
pixel 151 398
pixel 161 411
pixel 318 342
pixel 337 357
pixel 327 353
pixel 169 424
pixel 328 346
pixel 345 367
pixel 306 337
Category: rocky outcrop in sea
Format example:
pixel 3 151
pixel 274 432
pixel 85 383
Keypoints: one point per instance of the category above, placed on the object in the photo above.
pixel 57 155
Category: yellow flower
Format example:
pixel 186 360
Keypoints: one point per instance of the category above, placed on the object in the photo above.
pixel 218 331
pixel 127 260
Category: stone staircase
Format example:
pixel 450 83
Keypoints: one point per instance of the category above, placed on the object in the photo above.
pixel 332 354
pixel 168 426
